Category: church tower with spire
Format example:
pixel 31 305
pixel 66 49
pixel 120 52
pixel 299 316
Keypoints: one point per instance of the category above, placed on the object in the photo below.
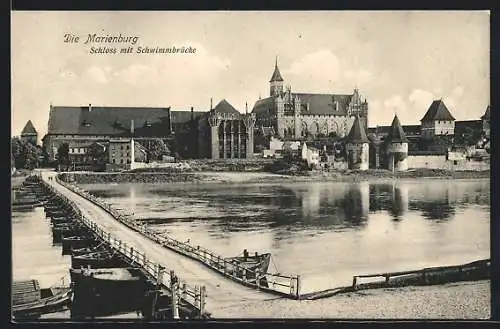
pixel 276 82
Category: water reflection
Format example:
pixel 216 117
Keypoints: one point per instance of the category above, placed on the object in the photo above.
pixel 298 206
pixel 325 231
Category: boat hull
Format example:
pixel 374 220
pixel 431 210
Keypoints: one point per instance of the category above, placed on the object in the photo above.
pixel 59 300
pixel 96 260
pixel 96 296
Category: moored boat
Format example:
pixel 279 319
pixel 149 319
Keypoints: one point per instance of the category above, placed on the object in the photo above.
pixel 252 264
pixel 29 301
pixel 98 259
pixel 90 249
pixel 69 242
pixel 108 291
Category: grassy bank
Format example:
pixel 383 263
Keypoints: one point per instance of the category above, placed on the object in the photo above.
pixel 129 177
pixel 179 176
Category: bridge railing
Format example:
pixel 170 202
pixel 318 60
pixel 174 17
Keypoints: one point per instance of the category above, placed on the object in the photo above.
pixel 422 275
pixel 277 283
pixel 195 296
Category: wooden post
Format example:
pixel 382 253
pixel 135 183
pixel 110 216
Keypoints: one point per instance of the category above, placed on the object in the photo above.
pixel 354 281
pixel 387 277
pixel 202 299
pixel 298 287
pixel 119 245
pixel 257 278
pixel 244 275
pixel 184 291
pixel 174 290
pixel 132 254
pixel 196 296
pixel 159 276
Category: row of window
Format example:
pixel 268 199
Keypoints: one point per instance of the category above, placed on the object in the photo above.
pixel 122 161
pixel 78 150
pixel 113 154
pixel 122 147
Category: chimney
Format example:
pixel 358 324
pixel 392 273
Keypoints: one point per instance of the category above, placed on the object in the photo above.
pixel 90 107
pixel 170 119
pixel 192 113
pixel 132 128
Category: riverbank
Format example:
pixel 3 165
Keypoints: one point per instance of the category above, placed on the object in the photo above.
pixel 460 301
pixel 175 176
pixel 464 300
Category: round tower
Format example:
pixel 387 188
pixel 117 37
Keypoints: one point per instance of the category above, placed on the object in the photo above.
pixel 397 147
pixel 357 147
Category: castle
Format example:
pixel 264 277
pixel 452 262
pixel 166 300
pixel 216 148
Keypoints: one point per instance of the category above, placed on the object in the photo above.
pixel 293 115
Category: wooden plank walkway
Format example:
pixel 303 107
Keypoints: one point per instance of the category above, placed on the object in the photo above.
pixel 221 293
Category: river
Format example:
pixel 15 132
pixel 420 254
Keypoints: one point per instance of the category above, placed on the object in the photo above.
pixel 325 232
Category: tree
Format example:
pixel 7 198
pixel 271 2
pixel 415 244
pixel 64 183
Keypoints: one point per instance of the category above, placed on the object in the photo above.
pixel 62 154
pixel 156 149
pixel 25 154
pixel 98 153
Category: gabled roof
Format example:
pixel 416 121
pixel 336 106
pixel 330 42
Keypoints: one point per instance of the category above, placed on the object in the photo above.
pixel 112 121
pixel 29 129
pixel 184 116
pixel 225 107
pixel 319 104
pixel 276 74
pixel 263 105
pixel 357 133
pixel 323 103
pixel 438 111
pixel 396 133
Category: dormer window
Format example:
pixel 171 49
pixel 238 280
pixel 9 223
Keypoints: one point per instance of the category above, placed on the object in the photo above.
pixel 86 123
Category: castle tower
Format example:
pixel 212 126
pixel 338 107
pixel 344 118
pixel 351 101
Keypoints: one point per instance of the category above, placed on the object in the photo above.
pixel 276 82
pixel 280 115
pixel 357 146
pixel 29 133
pixel 437 121
pixel 397 147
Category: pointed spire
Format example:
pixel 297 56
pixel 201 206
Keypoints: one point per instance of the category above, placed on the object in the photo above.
pixel 357 133
pixel 246 107
pixel 29 129
pixel 211 107
pixel 396 134
pixel 276 74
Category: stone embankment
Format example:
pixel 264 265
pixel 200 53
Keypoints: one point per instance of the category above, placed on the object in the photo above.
pixel 180 176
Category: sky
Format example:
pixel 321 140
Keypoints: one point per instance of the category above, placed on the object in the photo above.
pixel 400 61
